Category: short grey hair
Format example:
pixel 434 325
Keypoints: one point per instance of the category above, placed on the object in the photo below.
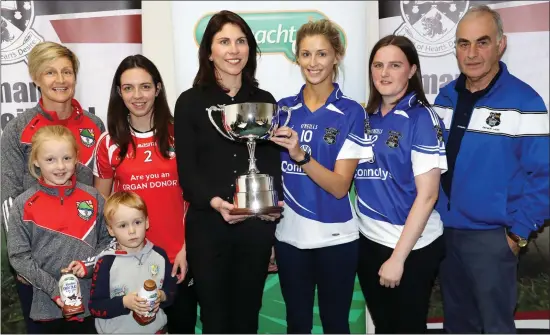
pixel 484 9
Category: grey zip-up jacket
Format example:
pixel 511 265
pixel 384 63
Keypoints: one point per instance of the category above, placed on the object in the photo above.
pixel 15 148
pixel 50 226
pixel 118 273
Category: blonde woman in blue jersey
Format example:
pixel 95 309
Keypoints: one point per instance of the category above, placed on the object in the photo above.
pixel 400 247
pixel 317 237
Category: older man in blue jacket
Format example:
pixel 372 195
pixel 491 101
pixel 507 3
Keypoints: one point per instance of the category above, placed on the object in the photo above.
pixel 496 191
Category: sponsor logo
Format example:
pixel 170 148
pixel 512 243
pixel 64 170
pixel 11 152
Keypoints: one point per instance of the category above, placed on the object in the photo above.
pixel 275 32
pixel 87 137
pixel 431 25
pixel 291 168
pixel 372 173
pixel 306 148
pixel 18 37
pixel 85 209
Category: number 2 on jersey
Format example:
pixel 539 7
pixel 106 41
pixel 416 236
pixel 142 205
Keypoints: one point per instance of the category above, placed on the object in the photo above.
pixel 148 159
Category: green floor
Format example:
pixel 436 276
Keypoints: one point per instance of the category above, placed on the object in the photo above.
pixel 272 315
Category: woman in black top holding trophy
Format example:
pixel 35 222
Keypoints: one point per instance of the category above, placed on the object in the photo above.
pixel 229 254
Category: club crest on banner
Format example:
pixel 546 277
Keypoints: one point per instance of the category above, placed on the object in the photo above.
pixel 431 25
pixel 18 37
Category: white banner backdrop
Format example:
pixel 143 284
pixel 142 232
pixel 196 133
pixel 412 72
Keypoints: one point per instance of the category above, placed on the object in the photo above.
pixel 101 34
pixel 274 24
pixel 528 38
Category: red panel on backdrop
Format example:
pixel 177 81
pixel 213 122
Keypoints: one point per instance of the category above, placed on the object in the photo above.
pixel 537 14
pixel 107 29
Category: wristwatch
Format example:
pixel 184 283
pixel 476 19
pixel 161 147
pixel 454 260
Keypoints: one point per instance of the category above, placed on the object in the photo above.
pixel 521 242
pixel 307 158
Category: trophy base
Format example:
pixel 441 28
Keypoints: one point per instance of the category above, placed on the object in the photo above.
pixel 261 211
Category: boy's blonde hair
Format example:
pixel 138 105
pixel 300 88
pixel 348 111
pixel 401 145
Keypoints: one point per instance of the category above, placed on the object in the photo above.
pixel 327 29
pixel 50 133
pixel 45 52
pixel 126 198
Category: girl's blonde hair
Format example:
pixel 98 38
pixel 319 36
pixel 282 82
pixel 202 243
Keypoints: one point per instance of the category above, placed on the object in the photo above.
pixel 45 52
pixel 50 133
pixel 126 198
pixel 327 29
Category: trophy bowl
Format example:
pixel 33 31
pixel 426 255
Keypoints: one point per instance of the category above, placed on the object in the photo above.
pixel 250 122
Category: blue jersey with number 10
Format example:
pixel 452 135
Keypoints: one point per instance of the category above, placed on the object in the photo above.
pixel 313 217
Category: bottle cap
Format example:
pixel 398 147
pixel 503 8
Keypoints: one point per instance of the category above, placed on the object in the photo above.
pixel 150 285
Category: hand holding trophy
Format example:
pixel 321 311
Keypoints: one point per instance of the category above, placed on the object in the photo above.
pixel 250 122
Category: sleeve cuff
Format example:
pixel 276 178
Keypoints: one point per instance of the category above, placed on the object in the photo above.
pixel 521 231
pixel 84 267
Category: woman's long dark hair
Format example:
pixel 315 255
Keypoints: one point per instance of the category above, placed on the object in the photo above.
pixel 117 112
pixel 415 83
pixel 206 75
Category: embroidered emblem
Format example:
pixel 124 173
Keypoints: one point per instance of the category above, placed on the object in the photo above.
pixel 393 139
pixel 154 270
pixel 119 291
pixel 85 209
pixel 367 126
pixel 330 135
pixel 87 137
pixel 493 120
pixel 171 148
pixel 438 132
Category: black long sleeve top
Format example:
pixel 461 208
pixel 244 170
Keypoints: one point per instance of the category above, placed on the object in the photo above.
pixel 209 163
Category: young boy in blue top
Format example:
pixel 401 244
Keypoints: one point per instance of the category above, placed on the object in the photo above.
pixel 120 271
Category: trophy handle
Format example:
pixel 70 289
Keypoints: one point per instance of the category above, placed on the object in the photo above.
pixel 217 109
pixel 289 111
pixel 276 125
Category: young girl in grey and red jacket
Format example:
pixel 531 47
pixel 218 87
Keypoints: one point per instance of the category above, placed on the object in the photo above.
pixel 53 222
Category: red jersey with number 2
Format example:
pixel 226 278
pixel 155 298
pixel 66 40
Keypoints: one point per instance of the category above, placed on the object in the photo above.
pixel 154 178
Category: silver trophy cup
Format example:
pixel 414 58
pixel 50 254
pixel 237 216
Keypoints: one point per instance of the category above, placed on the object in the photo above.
pixel 250 122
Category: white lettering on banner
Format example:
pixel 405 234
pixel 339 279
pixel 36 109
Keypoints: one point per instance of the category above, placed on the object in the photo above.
pixel 433 82
pixel 377 173
pixel 282 35
pixel 18 97
pixel 291 168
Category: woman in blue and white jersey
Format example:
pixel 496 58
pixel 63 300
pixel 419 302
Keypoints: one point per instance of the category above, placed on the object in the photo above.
pixel 317 237
pixel 400 246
